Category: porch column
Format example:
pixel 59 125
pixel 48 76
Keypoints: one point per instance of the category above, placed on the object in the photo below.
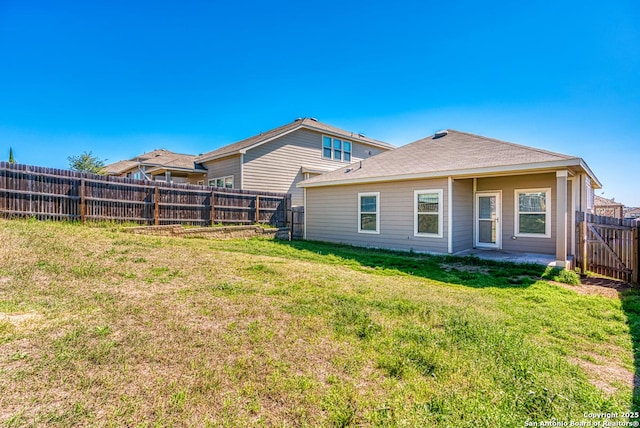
pixel 561 218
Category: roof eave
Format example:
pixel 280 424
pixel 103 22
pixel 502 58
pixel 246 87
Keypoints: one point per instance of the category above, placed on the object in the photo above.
pixel 460 173
pixel 172 168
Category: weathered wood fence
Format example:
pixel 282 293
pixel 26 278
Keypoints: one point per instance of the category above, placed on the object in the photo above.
pixel 45 193
pixel 297 223
pixel 608 246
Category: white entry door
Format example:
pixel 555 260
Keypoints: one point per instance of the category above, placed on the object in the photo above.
pixel 488 212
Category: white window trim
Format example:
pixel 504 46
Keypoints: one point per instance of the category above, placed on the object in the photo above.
pixel 213 180
pixel 516 209
pixel 342 151
pixel 440 214
pixel 377 195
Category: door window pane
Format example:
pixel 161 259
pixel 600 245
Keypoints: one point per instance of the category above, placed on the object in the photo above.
pixel 487 206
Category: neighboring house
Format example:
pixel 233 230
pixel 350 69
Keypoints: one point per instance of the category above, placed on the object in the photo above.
pixel 160 165
pixel 451 192
pixel 278 159
pixel 608 207
pixel 633 213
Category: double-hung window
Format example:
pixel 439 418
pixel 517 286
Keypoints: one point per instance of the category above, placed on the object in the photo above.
pixel 428 213
pixel 226 182
pixel 336 149
pixel 533 213
pixel 369 212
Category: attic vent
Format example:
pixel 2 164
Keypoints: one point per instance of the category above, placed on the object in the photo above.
pixel 298 119
pixel 361 135
pixel 440 134
pixel 314 119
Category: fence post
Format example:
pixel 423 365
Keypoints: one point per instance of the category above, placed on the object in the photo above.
pixel 157 207
pixel 583 242
pixel 257 209
pixel 288 212
pixel 83 204
pixel 213 207
pixel 636 256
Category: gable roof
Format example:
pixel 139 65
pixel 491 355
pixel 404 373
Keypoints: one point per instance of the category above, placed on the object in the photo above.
pixel 450 153
pixel 304 123
pixel 159 158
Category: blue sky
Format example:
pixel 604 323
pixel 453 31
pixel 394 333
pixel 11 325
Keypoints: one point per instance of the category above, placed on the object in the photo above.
pixel 120 78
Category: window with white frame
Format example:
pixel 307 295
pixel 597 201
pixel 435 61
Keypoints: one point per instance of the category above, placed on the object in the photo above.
pixel 369 212
pixel 427 219
pixel 590 193
pixel 533 213
pixel 226 182
pixel 336 149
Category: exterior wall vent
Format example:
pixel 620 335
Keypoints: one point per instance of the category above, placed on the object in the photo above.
pixel 440 134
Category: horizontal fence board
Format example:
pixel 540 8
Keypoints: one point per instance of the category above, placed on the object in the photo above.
pixel 47 192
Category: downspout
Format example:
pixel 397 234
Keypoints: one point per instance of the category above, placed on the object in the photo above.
pixel 242 170
pixel 304 216
pixel 450 215
pixel 144 174
pixel 473 213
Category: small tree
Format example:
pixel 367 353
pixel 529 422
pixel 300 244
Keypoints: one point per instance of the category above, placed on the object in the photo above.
pixel 11 159
pixel 86 162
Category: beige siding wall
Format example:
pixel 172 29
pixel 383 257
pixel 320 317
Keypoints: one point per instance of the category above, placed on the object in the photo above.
pixel 224 167
pixel 332 215
pixel 276 166
pixel 508 185
pixel 462 215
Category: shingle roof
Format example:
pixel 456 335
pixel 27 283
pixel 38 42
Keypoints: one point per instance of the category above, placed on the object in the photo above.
pixel 119 167
pixel 307 123
pixel 599 201
pixel 156 158
pixel 455 153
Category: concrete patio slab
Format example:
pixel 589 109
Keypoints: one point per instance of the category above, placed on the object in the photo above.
pixel 510 256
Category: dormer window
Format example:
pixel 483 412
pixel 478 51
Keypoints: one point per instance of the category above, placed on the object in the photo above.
pixel 336 149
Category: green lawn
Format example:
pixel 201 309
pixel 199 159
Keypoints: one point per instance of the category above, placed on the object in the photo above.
pixel 100 327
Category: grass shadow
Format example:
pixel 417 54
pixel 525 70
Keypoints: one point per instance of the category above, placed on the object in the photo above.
pixel 630 301
pixel 469 271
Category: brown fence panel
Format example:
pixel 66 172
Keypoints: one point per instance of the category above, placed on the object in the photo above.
pixel 608 246
pixel 67 195
pixel 297 223
pixel 43 193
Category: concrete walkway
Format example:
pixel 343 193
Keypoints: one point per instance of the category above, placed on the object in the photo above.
pixel 510 256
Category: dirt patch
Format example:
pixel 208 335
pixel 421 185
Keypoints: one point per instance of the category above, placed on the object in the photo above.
pixel 18 318
pixel 608 376
pixel 597 287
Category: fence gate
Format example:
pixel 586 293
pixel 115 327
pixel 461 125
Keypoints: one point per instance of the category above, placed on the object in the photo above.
pixel 608 246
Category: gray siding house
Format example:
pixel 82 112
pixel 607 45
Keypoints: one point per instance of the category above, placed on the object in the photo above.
pixel 452 192
pixel 277 160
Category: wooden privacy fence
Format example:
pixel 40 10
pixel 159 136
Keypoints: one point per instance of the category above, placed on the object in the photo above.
pixel 608 246
pixel 55 194
pixel 297 223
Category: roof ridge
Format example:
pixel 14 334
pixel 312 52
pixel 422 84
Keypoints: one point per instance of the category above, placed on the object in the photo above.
pixel 495 140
